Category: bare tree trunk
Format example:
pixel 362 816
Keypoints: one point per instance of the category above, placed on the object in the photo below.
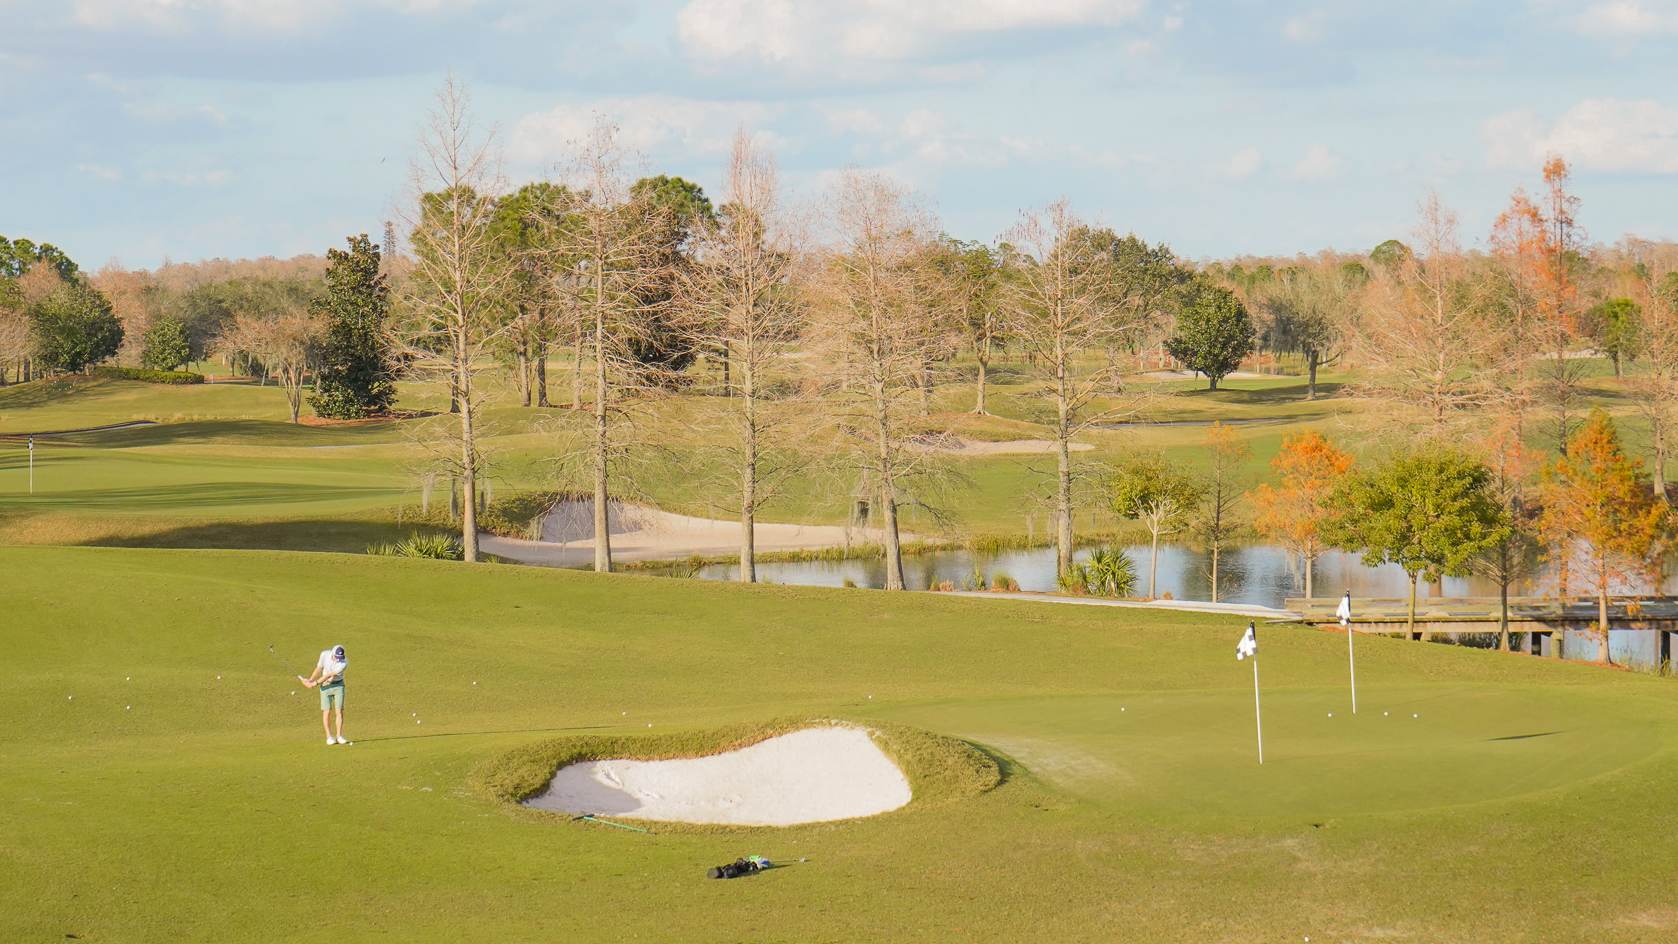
pixel 748 478
pixel 1063 468
pixel 1153 569
pixel 888 488
pixel 1308 560
pixel 1503 597
pixel 1602 622
pixel 524 371
pixel 577 369
pixel 1215 555
pixel 602 529
pixel 1311 358
pixel 984 370
pixel 542 373
pixel 468 457
pixel 1658 428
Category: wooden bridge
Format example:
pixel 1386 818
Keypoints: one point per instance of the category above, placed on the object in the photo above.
pixel 1642 630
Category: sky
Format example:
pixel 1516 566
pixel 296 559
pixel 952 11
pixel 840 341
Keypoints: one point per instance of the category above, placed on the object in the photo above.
pixel 145 130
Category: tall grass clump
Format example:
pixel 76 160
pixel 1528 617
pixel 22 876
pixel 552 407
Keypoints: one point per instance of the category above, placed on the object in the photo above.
pixel 422 546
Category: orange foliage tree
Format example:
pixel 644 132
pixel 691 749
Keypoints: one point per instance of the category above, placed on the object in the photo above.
pixel 1541 248
pixel 1595 495
pixel 1292 512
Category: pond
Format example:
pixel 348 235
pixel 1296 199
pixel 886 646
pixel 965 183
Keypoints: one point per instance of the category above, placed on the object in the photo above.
pixel 1257 573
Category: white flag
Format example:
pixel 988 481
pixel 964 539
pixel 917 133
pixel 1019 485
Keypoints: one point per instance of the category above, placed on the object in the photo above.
pixel 1344 610
pixel 1248 646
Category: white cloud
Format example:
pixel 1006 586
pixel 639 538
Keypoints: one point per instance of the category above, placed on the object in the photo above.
pixel 1319 163
pixel 809 36
pixel 1243 163
pixel 215 177
pixel 103 172
pixel 646 123
pixel 1602 134
pixel 1304 28
pixel 1627 19
pixel 288 16
pixel 854 121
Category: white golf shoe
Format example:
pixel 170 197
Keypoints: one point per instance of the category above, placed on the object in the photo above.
pixel 341 739
pixel 330 742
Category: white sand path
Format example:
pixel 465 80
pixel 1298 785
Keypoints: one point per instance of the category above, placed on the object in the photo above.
pixel 809 776
pixel 643 533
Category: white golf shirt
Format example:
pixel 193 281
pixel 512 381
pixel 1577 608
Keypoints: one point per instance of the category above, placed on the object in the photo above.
pixel 330 668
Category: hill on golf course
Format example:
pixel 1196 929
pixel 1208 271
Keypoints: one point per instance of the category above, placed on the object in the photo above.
pixel 164 778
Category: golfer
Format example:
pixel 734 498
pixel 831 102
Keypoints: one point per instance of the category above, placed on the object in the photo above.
pixel 329 677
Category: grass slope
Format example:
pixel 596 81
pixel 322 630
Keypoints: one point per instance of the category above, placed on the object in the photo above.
pixel 1530 801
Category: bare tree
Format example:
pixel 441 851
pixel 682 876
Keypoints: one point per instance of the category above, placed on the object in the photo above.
pixel 14 335
pixel 871 324
pixel 742 304
pixel 1215 523
pixel 962 282
pixel 1422 336
pixel 1308 308
pixel 286 344
pixel 454 295
pixel 1062 305
pixel 608 251
pixel 1656 381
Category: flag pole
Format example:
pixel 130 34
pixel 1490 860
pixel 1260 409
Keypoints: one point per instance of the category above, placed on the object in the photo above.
pixel 1258 716
pixel 1351 658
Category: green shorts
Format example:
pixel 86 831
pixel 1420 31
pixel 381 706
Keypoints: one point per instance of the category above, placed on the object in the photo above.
pixel 332 696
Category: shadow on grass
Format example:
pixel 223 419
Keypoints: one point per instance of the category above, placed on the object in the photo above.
pixel 1288 393
pixel 445 734
pixel 199 495
pixel 233 433
pixel 349 536
pixel 1523 737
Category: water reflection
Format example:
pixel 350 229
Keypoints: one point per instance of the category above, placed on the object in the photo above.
pixel 1258 573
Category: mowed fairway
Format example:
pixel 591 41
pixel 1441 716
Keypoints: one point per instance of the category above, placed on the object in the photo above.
pixel 1529 801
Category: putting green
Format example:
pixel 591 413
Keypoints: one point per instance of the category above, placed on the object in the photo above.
pixel 163 783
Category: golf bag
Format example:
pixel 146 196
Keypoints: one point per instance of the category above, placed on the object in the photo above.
pixel 739 867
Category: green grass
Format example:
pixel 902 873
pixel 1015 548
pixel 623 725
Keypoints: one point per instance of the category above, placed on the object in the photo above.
pixel 221 466
pixel 183 792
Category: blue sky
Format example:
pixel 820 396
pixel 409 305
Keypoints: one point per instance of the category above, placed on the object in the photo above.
pixel 142 129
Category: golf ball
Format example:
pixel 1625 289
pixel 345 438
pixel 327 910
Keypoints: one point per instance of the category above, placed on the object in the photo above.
pixel 127 707
pixel 69 698
pixel 416 721
pixel 1415 716
pixel 1121 709
pixel 474 683
pixel 128 678
pixel 294 691
pixel 218 678
pixel 649 724
pixel 1331 714
pixel 1385 713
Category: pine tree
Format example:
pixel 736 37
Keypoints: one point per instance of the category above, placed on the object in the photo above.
pixel 355 378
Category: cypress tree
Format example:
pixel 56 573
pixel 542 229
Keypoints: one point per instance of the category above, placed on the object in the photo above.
pixel 355 378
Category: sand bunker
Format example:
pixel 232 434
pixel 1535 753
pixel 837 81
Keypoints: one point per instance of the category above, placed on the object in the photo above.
pixel 643 533
pixel 962 446
pixel 808 776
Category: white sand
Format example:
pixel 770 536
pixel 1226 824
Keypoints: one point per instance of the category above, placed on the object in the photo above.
pixel 643 533
pixel 808 776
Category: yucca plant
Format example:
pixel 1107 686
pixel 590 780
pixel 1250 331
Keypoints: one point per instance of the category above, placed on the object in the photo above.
pixel 1110 573
pixel 425 546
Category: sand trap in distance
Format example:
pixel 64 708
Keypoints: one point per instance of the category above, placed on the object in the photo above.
pixel 808 776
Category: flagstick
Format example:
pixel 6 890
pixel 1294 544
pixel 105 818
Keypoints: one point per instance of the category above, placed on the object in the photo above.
pixel 1258 717
pixel 1352 664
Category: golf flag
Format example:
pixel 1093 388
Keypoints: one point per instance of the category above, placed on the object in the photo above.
pixel 1344 611
pixel 1248 646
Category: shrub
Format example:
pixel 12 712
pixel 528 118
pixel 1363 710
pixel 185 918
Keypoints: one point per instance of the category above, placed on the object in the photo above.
pixel 848 584
pixel 944 586
pixel 73 328
pixel 975 580
pixel 1076 580
pixel 166 345
pixel 176 377
pixel 1004 584
pixel 423 546
pixel 1109 573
